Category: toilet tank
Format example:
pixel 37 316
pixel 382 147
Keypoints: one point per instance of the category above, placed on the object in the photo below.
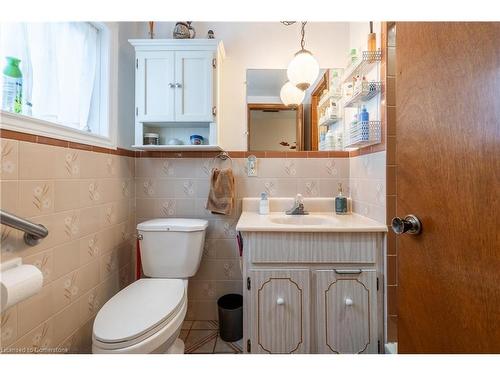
pixel 171 248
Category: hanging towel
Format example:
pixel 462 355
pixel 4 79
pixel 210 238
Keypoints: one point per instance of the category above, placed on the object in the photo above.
pixel 221 195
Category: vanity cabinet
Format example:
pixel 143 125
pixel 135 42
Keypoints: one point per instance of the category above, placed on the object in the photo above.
pixel 177 89
pixel 313 292
pixel 280 313
pixel 346 318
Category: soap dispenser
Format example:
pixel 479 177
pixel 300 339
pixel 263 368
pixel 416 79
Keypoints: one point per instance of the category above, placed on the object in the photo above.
pixel 264 204
pixel 341 202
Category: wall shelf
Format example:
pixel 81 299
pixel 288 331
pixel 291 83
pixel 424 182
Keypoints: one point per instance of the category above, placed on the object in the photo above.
pixel 368 91
pixel 331 94
pixel 327 121
pixel 361 66
pixel 364 133
pixel 177 147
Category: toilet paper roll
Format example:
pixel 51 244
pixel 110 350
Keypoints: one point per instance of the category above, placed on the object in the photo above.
pixel 19 283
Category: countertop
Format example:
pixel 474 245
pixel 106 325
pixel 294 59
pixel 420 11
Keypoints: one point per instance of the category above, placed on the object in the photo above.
pixel 319 208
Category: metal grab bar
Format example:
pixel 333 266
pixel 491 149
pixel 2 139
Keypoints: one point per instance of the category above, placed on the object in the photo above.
pixel 33 233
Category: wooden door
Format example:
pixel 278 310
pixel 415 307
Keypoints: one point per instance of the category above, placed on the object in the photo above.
pixel 346 315
pixel 155 86
pixel 448 175
pixel 280 311
pixel 194 86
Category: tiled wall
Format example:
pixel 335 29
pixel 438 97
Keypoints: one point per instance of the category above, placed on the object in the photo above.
pixel 367 185
pixel 178 187
pixel 392 272
pixel 86 200
pixel 91 202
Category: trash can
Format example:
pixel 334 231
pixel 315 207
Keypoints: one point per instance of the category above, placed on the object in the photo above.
pixel 230 317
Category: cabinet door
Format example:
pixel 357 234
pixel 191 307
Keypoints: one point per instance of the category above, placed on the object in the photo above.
pixel 279 310
pixel 346 315
pixel 155 86
pixel 194 86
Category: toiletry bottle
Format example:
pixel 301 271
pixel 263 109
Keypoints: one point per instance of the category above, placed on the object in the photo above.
pixel 329 140
pixel 364 116
pixel 341 202
pixel 353 55
pixel 264 204
pixel 335 84
pixel 372 40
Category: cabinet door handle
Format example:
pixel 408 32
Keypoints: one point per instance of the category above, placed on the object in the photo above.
pixel 171 85
pixel 348 302
pixel 178 85
pixel 348 272
pixel 280 301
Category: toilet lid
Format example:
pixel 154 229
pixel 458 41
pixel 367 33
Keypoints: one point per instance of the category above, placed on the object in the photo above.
pixel 138 308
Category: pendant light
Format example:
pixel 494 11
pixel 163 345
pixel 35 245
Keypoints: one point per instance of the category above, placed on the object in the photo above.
pixel 303 70
pixel 291 95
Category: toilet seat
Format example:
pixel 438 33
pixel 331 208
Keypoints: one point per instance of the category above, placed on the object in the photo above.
pixel 147 307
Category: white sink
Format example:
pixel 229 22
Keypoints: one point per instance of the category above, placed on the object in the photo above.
pixel 321 218
pixel 301 220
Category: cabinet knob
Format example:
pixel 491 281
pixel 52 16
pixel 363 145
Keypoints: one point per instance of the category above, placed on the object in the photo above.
pixel 348 302
pixel 280 301
pixel 178 85
pixel 171 85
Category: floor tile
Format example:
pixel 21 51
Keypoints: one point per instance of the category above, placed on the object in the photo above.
pixel 197 338
pixel 202 337
pixel 204 324
pixel 222 347
pixel 183 334
pixel 207 348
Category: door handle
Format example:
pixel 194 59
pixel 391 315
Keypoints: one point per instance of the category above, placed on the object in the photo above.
pixel 348 272
pixel 410 224
pixel 178 85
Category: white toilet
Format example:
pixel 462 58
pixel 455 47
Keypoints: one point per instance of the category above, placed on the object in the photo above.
pixel 146 316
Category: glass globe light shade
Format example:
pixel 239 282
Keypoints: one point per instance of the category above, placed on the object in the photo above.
pixel 291 95
pixel 303 69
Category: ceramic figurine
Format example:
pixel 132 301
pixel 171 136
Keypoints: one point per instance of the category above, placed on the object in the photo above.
pixel 184 30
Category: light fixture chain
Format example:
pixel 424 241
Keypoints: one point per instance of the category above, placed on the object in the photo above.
pixel 303 34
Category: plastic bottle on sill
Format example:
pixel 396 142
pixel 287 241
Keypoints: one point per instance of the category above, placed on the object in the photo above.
pixel 12 87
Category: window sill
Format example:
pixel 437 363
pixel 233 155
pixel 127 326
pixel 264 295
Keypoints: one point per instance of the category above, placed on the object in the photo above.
pixel 27 124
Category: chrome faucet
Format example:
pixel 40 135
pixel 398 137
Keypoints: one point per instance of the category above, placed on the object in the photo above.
pixel 298 207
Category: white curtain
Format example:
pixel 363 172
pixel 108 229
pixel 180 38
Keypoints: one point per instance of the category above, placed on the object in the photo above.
pixel 59 62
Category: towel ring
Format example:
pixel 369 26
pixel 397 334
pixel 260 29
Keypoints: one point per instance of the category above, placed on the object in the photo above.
pixel 222 156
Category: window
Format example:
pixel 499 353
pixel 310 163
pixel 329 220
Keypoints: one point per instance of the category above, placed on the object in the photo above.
pixel 65 75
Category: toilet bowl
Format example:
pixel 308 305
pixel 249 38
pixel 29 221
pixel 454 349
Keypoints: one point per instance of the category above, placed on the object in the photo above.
pixel 147 315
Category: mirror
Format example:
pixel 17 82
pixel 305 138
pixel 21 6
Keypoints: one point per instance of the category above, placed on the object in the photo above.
pixel 273 126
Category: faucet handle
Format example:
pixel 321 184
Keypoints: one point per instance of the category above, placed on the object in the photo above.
pixel 299 199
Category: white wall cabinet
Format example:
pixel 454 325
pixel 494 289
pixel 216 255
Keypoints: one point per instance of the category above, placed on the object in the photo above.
pixel 322 296
pixel 194 90
pixel 177 86
pixel 155 86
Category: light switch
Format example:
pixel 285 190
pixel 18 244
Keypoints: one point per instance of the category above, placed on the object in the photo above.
pixel 252 166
